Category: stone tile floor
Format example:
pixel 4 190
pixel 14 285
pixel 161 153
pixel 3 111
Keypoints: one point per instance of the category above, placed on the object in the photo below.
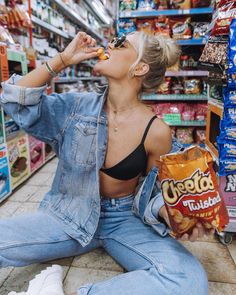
pixel 218 260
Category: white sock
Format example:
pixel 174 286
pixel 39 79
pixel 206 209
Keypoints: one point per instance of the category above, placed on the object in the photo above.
pixel 48 282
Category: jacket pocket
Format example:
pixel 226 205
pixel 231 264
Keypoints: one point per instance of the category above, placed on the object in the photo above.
pixel 83 143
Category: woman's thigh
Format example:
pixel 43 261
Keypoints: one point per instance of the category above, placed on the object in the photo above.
pixel 137 246
pixel 33 238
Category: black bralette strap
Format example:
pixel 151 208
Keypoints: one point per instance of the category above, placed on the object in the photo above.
pixel 147 128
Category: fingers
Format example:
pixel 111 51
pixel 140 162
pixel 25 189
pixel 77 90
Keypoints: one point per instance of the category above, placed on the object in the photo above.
pixel 86 39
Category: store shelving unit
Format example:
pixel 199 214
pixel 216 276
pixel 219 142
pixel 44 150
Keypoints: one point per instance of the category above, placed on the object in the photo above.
pixel 167 12
pixel 187 73
pixel 175 97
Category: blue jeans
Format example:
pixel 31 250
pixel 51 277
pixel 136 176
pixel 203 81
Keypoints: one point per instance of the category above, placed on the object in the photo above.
pixel 155 265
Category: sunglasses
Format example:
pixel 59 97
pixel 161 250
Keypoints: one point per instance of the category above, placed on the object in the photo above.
pixel 119 42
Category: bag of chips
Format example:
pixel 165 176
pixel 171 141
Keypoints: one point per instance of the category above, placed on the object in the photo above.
pixel 180 4
pixel 181 28
pixel 190 191
pixel 229 97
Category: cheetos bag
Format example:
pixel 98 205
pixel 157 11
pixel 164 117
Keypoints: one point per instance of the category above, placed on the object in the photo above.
pixel 190 191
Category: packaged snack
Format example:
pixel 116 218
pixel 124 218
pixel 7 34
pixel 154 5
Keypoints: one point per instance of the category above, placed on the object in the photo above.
pixel 181 28
pixel 200 3
pixel 180 4
pixel 200 29
pixel 190 191
pixel 148 4
pixel 128 5
pixel 177 86
pixel 192 86
pixel 199 136
pixel 188 62
pixel 230 115
pixel 200 111
pixel 101 54
pixel 226 12
pixel 163 4
pixel 161 26
pixel 160 109
pixel 146 25
pixel 227 167
pixel 126 26
pixel 227 149
pixel 165 87
pixel 214 55
pixel 184 135
pixel 229 97
pixel 227 130
pixel 188 114
pixel 232 48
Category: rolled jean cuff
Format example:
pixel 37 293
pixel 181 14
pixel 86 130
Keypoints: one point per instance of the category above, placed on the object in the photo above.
pixel 84 289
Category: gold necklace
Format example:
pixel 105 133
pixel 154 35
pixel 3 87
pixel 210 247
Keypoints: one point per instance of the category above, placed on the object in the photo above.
pixel 116 125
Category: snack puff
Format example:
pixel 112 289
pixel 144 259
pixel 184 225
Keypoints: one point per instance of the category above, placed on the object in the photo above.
pixel 101 54
pixel 190 191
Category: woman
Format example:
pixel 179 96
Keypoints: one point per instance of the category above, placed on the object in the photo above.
pixel 106 143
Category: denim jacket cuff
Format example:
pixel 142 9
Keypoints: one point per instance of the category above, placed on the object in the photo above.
pixel 20 94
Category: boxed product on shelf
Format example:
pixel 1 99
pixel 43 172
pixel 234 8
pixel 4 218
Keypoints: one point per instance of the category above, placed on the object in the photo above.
pixel 36 148
pixel 5 185
pixel 228 190
pixel 19 162
pixel 128 5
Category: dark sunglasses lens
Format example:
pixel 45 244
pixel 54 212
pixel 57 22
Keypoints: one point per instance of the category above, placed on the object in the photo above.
pixel 120 41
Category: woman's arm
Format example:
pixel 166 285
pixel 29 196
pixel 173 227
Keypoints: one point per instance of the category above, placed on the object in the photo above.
pixel 82 47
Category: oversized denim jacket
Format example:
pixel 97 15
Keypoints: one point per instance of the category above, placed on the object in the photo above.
pixel 75 125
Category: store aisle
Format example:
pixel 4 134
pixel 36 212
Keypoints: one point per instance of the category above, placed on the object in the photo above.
pixel 218 260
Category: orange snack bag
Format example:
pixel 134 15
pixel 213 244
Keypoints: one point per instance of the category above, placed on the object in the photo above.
pixel 190 191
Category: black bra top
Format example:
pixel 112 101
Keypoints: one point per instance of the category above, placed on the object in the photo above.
pixel 132 165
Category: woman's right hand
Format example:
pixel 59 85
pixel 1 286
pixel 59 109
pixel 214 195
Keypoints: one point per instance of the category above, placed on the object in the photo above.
pixel 82 47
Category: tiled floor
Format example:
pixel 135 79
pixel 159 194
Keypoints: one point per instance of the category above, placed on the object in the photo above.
pixel 218 260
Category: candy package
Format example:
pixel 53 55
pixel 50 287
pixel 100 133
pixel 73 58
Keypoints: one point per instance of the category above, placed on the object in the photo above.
pixel 192 86
pixel 181 28
pixel 177 86
pixel 180 4
pixel 128 5
pixel 200 3
pixel 126 26
pixel 200 111
pixel 214 55
pixel 229 97
pixel 165 87
pixel 200 29
pixel 190 191
pixel 199 136
pixel 148 4
pixel 146 25
pixel 161 26
pixel 188 114
pixel 184 135
pixel 163 4
pixel 226 12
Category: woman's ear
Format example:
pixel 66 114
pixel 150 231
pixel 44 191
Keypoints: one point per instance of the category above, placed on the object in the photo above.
pixel 141 69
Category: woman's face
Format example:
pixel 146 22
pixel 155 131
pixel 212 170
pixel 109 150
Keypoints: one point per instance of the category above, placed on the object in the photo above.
pixel 120 59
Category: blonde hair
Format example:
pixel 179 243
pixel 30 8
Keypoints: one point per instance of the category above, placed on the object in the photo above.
pixel 159 52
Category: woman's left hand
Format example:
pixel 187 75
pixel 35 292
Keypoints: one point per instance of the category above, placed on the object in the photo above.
pixel 198 231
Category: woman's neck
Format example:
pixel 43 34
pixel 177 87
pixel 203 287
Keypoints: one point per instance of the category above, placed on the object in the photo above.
pixel 121 96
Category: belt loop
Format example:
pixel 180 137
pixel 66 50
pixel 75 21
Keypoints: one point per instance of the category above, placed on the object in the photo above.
pixel 113 202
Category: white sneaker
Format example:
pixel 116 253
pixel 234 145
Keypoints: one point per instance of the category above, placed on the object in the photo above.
pixel 48 282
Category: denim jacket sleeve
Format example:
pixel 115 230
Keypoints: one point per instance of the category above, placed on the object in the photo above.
pixel 39 114
pixel 148 198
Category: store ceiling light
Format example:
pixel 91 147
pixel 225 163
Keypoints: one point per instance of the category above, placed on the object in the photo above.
pixel 101 12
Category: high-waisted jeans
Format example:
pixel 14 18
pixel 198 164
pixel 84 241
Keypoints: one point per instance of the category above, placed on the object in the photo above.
pixel 155 265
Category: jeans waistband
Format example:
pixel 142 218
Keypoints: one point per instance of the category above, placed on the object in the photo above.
pixel 117 201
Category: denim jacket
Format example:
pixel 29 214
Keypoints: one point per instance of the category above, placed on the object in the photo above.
pixel 75 125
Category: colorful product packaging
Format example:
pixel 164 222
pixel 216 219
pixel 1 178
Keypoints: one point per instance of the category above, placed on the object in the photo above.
pixel 5 185
pixel 19 162
pixel 190 191
pixel 36 148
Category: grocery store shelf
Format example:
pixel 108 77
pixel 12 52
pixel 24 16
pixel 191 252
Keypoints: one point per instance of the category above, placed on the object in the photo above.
pixel 173 12
pixel 187 73
pixel 201 41
pixel 174 97
pixel 188 123
pixel 70 13
pixel 49 27
pixel 76 79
